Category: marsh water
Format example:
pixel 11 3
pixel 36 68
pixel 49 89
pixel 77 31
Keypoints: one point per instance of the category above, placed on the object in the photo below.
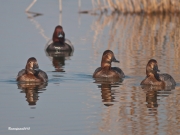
pixel 71 102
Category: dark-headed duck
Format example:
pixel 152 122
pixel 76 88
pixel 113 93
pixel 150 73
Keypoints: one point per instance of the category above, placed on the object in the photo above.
pixel 32 73
pixel 153 78
pixel 106 71
pixel 59 43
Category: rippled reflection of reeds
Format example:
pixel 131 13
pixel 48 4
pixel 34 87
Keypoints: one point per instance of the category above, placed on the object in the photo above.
pixel 141 112
pixel 135 39
pixel 138 38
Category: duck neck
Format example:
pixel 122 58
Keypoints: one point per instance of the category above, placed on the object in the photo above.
pixel 59 40
pixel 106 66
pixel 154 75
pixel 29 71
pixel 157 76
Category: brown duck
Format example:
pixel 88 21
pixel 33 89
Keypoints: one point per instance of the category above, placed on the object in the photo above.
pixel 153 78
pixel 32 73
pixel 106 71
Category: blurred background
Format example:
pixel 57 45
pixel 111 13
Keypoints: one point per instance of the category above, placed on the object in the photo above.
pixel 72 102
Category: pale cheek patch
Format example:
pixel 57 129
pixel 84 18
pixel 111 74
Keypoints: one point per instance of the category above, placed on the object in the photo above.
pixel 152 66
pixel 109 57
pixel 31 64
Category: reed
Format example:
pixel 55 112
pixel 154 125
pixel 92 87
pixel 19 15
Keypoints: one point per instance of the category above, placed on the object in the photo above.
pixel 138 6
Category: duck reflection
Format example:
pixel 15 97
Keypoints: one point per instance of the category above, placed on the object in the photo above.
pixel 32 90
pixel 58 59
pixel 154 93
pixel 106 94
pixel 108 90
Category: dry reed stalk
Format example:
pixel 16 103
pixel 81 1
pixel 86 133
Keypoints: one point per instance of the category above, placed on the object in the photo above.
pixel 131 7
pixel 121 6
pixel 146 6
pixel 110 4
pixel 118 3
pixel 137 7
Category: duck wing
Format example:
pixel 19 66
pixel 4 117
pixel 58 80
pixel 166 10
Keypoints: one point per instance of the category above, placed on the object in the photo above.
pixel 96 72
pixel 41 74
pixel 122 75
pixel 169 81
pixel 21 73
pixel 68 42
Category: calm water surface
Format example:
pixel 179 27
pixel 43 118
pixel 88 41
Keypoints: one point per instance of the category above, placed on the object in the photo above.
pixel 71 103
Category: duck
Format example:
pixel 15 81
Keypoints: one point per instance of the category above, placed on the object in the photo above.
pixel 153 78
pixel 59 42
pixel 32 73
pixel 106 71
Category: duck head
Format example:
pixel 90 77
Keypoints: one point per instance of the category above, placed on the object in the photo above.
pixel 152 67
pixel 32 66
pixel 58 35
pixel 107 58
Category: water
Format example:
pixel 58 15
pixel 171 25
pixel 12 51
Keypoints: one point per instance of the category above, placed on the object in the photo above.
pixel 71 103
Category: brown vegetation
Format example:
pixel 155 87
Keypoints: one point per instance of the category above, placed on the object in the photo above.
pixel 138 6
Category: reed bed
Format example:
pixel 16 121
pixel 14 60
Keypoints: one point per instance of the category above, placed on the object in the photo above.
pixel 138 6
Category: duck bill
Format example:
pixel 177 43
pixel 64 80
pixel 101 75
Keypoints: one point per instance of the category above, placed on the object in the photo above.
pixel 60 35
pixel 35 67
pixel 114 60
pixel 156 68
